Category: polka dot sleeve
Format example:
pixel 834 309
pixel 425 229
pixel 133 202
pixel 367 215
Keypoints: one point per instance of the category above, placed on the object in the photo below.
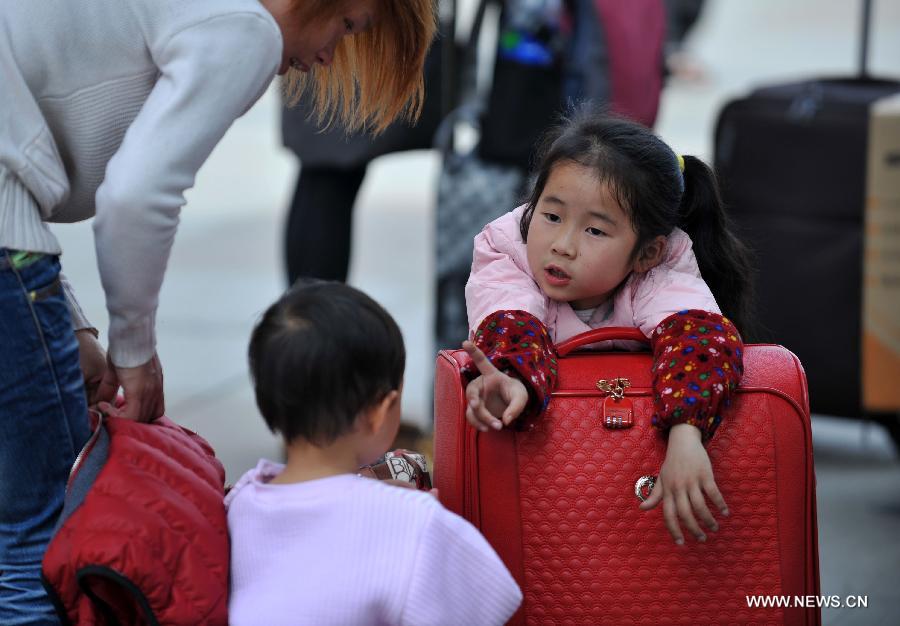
pixel 518 344
pixel 697 364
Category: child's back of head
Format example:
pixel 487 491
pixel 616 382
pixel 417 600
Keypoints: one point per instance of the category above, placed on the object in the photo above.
pixel 312 541
pixel 321 355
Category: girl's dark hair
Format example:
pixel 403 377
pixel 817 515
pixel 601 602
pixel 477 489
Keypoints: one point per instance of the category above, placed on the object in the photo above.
pixel 319 356
pixel 645 176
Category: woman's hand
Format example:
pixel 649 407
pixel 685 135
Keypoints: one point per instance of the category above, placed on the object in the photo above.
pixel 92 358
pixel 494 398
pixel 143 389
pixel 685 476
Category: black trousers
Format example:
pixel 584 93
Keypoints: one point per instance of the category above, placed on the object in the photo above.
pixel 319 225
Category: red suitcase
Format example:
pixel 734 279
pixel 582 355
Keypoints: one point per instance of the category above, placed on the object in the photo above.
pixel 558 502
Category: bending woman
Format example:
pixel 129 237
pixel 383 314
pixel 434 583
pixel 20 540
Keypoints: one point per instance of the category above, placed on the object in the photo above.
pixel 108 109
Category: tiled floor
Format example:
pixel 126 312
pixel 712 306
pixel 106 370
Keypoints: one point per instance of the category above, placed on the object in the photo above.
pixel 225 269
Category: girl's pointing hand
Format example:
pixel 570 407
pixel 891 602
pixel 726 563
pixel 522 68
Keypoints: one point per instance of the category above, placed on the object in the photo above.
pixel 494 399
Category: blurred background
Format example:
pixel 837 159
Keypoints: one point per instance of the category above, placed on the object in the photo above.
pixel 228 264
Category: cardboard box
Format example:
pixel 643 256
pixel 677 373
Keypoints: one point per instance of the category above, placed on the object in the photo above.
pixel 881 267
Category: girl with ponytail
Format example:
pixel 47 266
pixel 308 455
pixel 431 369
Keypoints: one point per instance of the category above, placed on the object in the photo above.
pixel 619 230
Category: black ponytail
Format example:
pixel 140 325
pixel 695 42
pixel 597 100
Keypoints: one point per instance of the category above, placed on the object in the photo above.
pixel 724 261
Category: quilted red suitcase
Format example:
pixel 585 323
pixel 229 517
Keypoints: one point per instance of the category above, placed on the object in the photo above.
pixel 558 502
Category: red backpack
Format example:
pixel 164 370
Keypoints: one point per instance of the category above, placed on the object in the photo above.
pixel 143 537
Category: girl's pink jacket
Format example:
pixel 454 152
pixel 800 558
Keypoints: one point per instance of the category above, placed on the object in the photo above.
pixel 501 280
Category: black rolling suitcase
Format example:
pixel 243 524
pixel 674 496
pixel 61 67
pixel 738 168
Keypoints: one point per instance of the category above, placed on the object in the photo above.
pixel 792 161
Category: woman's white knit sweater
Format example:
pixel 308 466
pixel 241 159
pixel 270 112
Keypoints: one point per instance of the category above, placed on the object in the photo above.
pixel 108 108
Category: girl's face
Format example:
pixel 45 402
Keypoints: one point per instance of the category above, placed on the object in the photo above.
pixel 580 241
pixel 305 45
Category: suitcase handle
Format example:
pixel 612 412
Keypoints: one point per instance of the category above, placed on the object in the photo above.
pixel 601 334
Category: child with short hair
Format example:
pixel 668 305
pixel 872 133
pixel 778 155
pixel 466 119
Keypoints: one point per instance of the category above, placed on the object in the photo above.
pixel 311 541
pixel 618 231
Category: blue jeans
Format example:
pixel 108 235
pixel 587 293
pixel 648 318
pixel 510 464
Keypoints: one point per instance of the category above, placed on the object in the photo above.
pixel 43 425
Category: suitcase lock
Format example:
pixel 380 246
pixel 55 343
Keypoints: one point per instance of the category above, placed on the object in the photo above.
pixel 616 410
pixel 644 485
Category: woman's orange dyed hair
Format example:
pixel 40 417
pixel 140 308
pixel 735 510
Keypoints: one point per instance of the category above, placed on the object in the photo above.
pixel 376 75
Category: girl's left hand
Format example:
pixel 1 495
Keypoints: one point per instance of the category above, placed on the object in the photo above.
pixel 685 476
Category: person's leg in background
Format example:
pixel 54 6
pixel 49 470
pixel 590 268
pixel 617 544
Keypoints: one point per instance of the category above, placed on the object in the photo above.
pixel 681 17
pixel 43 425
pixel 319 228
pixel 317 244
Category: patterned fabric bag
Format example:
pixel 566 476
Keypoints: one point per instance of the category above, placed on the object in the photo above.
pixel 403 465
pixel 471 193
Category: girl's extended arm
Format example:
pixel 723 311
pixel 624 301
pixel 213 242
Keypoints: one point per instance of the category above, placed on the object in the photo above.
pixel 698 363
pixel 505 308
pixel 514 369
